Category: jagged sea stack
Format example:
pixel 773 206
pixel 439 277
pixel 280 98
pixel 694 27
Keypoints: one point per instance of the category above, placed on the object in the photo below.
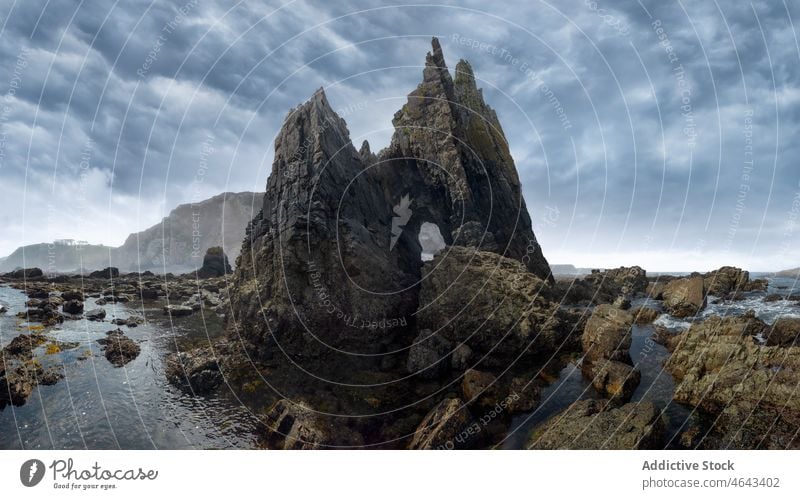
pixel 332 261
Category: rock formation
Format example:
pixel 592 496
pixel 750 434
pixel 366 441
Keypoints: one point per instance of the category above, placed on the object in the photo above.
pixel 215 264
pixel 331 263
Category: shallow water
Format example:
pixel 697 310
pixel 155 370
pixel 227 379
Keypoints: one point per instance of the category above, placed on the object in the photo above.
pixel 99 406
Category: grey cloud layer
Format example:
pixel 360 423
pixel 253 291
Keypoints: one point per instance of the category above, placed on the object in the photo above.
pixel 142 86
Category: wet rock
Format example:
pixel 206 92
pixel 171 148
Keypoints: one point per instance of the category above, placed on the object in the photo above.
pixel 96 314
pixel 644 315
pixel 477 387
pixel 31 273
pixel 773 298
pixel 73 307
pixel 446 426
pixel 178 310
pixel 591 424
pixel 51 376
pixel 726 280
pixel 607 334
pixel 195 371
pixel 295 426
pixel 428 355
pixel 756 285
pixel 119 349
pixel 749 389
pixel 622 303
pixel 72 294
pixel 493 305
pixel 148 293
pixel 784 332
pixel 613 379
pixel 655 289
pixel 3 309
pixel 685 297
pixel 106 273
pixel 215 264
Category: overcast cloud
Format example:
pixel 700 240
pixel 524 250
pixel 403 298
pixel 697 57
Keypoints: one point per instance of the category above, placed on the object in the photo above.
pixel 106 108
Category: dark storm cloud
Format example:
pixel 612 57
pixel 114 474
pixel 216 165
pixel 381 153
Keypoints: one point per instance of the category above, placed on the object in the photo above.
pixel 120 99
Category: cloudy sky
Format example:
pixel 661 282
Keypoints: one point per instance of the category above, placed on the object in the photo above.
pixel 658 133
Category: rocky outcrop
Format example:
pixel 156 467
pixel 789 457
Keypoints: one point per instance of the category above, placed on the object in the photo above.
pixel 591 424
pixel 493 305
pixel 685 297
pixel 749 389
pixel 644 315
pixel 215 264
pixel 21 371
pixel 106 273
pixel 725 280
pixel 331 263
pixel 445 427
pixel 118 348
pixel 428 355
pixel 29 273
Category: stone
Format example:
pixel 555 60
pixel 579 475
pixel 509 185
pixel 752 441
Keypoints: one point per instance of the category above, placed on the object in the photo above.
pixel 215 264
pixel 31 273
pixel 106 273
pixel 119 349
pixel 725 280
pixel 592 425
pixel 196 371
pixel 178 310
pixel 607 334
pixel 685 297
pixel 644 315
pixel 447 426
pixel 96 314
pixel 612 378
pixel 295 426
pixel 73 307
pixel 785 331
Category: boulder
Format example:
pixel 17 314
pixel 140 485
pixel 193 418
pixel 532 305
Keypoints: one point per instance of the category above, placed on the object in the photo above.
pixel 592 424
pixel 72 294
pixel 215 264
pixel 106 273
pixel 31 273
pixel 607 334
pixel 73 307
pixel 685 297
pixel 178 310
pixel 644 315
pixel 784 332
pixel 725 280
pixel 195 371
pixel 119 349
pixel 295 426
pixel 612 378
pixel 493 305
pixel 447 426
pixel 96 314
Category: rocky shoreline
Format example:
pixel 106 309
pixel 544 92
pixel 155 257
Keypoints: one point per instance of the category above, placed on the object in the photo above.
pixel 339 335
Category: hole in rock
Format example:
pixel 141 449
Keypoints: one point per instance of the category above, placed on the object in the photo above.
pixel 431 241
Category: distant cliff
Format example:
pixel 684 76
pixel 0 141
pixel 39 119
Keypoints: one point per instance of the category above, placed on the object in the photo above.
pixel 176 244
pixel 179 242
